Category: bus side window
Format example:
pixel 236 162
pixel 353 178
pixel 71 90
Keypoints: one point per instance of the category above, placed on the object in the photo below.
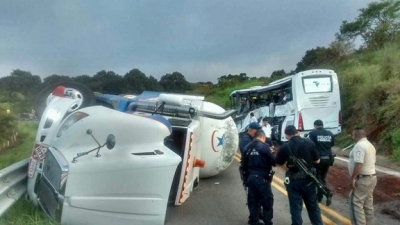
pixel 275 98
pixel 288 96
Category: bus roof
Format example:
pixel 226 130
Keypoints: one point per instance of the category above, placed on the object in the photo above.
pixel 276 84
pixel 247 90
pixel 280 83
pixel 258 89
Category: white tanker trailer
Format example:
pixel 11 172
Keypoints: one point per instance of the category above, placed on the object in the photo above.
pixel 107 159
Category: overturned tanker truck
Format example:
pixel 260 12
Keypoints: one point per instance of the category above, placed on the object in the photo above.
pixel 108 159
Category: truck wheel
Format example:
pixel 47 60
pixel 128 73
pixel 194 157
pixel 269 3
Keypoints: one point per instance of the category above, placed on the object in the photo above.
pixel 82 91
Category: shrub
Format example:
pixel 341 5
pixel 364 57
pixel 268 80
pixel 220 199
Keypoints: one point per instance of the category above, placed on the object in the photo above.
pixel 395 141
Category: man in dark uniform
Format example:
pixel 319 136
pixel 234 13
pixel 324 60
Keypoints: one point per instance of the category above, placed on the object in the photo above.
pixel 244 141
pixel 248 137
pixel 323 140
pixel 258 161
pixel 298 185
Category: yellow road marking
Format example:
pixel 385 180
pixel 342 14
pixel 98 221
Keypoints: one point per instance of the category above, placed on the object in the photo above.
pixel 333 213
pixel 237 159
pixel 324 218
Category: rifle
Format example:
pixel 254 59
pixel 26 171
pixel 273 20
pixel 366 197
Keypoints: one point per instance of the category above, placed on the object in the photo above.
pixel 301 164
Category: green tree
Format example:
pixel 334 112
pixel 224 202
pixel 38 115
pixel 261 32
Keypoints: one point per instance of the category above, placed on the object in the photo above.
pixel 88 81
pixel 152 84
pixel 229 80
pixel 175 82
pixel 341 47
pixel 19 89
pixel 377 24
pixel 308 60
pixel 53 79
pixel 316 57
pixel 278 73
pixel 136 81
pixel 20 81
pixel 109 82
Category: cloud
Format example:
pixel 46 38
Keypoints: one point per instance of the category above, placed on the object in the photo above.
pixel 201 39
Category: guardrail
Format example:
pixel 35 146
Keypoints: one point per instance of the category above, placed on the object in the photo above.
pixel 13 180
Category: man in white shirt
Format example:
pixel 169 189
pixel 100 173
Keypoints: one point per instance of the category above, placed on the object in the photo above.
pixel 266 127
pixel 267 130
pixel 253 118
pixel 363 178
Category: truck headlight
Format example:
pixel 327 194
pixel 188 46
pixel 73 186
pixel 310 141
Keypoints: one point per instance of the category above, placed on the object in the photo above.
pixel 72 119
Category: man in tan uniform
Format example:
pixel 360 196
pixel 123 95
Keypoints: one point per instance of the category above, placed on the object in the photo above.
pixel 363 179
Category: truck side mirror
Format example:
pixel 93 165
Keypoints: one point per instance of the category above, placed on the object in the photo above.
pixel 110 141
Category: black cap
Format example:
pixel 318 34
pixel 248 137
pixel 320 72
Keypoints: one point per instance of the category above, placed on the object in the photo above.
pixel 290 130
pixel 254 125
pixel 318 123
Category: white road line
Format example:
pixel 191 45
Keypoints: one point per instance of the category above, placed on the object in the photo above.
pixel 377 168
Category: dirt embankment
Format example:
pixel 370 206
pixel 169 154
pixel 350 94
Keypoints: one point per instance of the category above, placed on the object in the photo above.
pixel 387 190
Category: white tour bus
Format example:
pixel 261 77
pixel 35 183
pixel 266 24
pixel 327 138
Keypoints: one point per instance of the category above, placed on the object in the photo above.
pixel 297 100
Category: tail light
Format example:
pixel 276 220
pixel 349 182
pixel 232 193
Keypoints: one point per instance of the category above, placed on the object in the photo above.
pixel 300 123
pixel 340 117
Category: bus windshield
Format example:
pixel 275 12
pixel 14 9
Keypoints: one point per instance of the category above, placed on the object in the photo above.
pixel 317 84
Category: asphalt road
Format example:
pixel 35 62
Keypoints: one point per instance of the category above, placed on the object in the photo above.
pixel 222 200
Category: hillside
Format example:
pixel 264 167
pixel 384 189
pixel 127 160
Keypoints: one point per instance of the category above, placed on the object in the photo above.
pixel 370 95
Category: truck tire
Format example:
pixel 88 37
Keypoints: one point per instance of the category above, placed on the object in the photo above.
pixel 88 98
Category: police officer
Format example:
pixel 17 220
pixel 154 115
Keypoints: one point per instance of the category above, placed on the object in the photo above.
pixel 248 137
pixel 258 161
pixel 363 178
pixel 298 185
pixel 323 140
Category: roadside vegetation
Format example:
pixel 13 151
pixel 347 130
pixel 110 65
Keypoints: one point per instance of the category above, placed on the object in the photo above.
pixel 23 148
pixel 23 212
pixel 7 122
pixel 368 77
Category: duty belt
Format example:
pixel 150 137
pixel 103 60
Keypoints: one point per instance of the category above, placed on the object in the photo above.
pixel 363 175
pixel 297 175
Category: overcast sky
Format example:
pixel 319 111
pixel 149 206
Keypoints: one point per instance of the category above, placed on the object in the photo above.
pixel 201 39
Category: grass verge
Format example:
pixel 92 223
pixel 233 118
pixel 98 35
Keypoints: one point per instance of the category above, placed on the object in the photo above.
pixel 22 212
pixel 23 148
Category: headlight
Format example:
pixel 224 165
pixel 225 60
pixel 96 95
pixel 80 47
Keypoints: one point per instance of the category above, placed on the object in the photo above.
pixel 72 119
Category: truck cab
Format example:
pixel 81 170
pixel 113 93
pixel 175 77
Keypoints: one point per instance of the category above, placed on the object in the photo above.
pixel 125 164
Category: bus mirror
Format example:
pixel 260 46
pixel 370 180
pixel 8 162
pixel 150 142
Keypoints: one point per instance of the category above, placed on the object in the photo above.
pixel 271 109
